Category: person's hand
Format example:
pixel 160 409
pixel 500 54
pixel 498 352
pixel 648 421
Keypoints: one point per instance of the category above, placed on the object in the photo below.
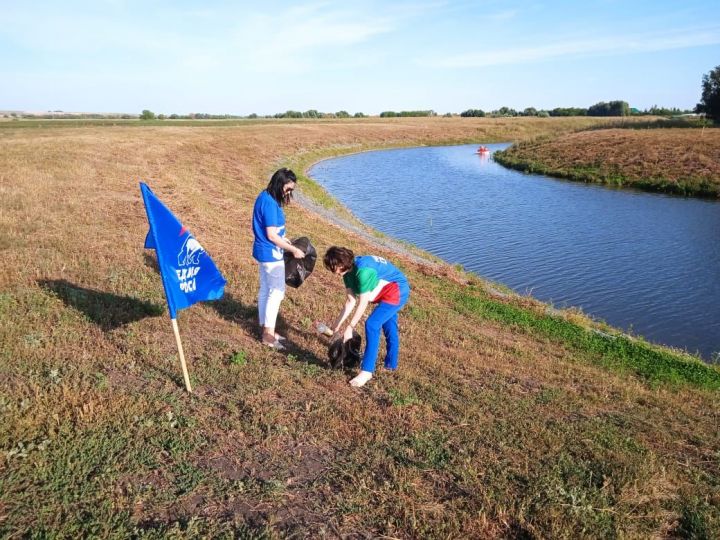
pixel 298 253
pixel 348 333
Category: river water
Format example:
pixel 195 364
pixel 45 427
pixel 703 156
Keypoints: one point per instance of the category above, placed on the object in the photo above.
pixel 643 262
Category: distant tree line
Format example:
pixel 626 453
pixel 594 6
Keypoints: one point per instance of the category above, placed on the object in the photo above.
pixel 312 113
pixel 394 114
pixel 528 111
pixel 709 105
pixel 67 116
pixel 663 111
pixel 612 108
pixel 567 111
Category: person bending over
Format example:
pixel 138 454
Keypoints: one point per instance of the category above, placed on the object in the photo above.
pixel 369 279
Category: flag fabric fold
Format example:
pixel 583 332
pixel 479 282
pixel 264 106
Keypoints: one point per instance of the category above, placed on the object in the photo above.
pixel 188 273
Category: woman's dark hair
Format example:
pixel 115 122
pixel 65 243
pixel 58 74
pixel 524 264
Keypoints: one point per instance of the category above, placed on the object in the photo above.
pixel 277 183
pixel 339 258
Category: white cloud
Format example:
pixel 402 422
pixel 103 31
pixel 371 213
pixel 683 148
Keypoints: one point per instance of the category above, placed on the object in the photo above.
pixel 293 39
pixel 301 38
pixel 603 46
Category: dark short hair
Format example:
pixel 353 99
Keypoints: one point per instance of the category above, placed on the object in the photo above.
pixel 277 182
pixel 338 257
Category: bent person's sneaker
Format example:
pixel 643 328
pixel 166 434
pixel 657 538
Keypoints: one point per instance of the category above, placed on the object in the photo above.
pixel 361 379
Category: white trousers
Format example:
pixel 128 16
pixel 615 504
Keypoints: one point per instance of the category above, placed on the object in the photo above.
pixel 272 291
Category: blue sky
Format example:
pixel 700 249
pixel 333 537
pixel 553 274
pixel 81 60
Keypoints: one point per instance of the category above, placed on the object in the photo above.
pixel 241 57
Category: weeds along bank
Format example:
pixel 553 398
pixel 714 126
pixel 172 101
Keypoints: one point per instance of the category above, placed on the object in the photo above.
pixel 683 161
pixel 501 421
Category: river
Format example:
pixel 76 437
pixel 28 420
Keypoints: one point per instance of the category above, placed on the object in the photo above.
pixel 646 263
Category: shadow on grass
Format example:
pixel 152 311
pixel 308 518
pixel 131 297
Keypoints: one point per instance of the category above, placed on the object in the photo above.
pixel 245 316
pixel 236 312
pixel 107 310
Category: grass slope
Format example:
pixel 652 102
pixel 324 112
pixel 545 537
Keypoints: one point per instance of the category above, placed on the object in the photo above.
pixel 502 420
pixel 683 161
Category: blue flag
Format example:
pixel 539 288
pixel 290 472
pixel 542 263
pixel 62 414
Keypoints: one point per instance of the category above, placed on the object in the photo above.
pixel 188 273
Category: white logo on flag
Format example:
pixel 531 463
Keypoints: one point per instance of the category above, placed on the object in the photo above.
pixel 190 252
pixel 189 256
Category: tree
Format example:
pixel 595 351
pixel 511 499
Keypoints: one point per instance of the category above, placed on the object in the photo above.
pixel 619 108
pixel 614 108
pixel 147 115
pixel 342 114
pixel 530 111
pixel 289 114
pixel 662 111
pixel 710 100
pixel 505 111
pixel 472 113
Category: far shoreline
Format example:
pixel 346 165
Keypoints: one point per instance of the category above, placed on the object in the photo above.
pixel 682 162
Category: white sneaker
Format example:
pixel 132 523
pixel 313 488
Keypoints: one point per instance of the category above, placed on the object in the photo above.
pixel 361 379
pixel 275 345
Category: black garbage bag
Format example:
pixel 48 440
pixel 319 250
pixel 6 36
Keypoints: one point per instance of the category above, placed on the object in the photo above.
pixel 297 270
pixel 346 354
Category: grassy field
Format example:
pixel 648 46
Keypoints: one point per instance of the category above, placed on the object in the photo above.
pixel 503 420
pixel 683 161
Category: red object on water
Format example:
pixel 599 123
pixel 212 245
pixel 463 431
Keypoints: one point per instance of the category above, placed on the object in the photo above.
pixel 483 150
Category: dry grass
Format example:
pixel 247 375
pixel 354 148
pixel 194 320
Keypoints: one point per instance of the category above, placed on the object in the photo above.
pixel 683 161
pixel 494 425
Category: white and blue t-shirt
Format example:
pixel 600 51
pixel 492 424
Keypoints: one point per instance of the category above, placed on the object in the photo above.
pixel 377 277
pixel 267 213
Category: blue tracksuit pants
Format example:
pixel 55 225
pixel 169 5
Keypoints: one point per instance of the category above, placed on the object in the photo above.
pixel 385 317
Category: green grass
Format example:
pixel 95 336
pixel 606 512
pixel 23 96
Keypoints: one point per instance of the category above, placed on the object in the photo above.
pixel 401 399
pixel 658 123
pixel 616 352
pixel 529 156
pixel 694 517
pixel 696 187
pixel 238 358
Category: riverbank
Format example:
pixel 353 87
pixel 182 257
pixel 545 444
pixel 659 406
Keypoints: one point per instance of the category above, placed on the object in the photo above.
pixel 681 161
pixel 502 420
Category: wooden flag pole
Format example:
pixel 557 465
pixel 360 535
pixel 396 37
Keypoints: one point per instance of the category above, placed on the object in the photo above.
pixel 182 355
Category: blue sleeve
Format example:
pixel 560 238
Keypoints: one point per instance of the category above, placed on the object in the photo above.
pixel 271 213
